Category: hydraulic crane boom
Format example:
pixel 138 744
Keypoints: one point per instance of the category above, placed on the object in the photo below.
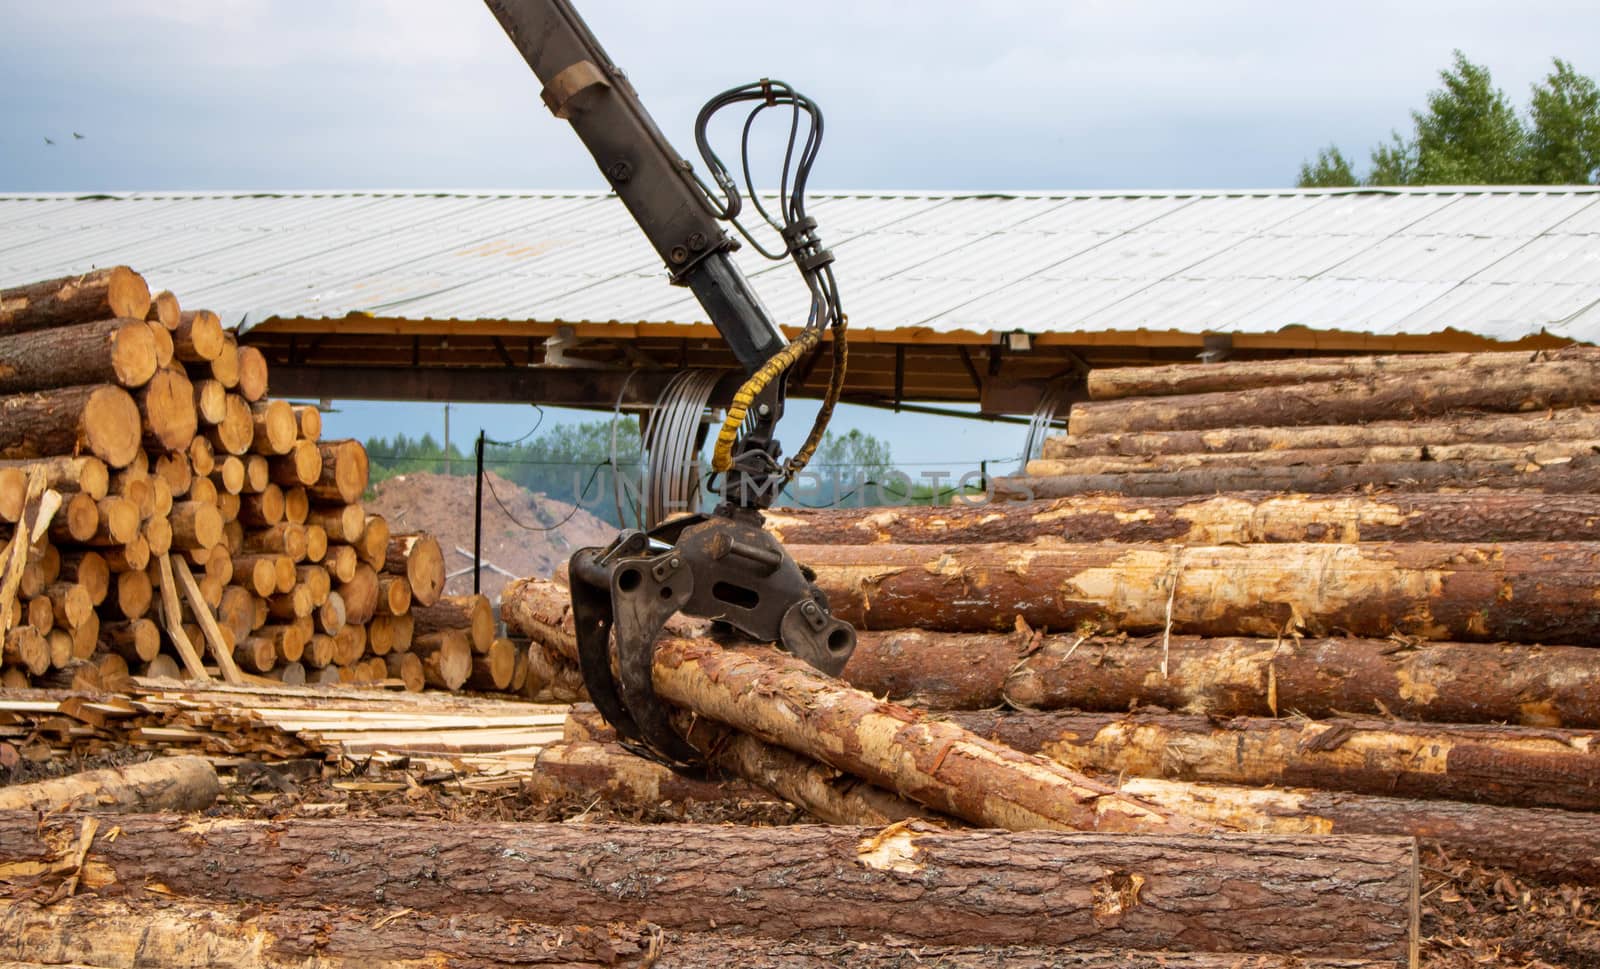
pixel 721 566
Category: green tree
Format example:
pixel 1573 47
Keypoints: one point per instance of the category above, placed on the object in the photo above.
pixel 1564 143
pixel 1471 134
pixel 1330 170
pixel 853 450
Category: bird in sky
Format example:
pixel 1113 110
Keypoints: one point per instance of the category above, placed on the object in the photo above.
pixel 77 136
pixel 48 141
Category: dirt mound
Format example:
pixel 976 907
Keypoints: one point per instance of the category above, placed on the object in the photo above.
pixel 537 536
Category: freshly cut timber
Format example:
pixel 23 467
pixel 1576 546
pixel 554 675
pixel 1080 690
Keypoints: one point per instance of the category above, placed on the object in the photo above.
pixel 90 931
pixel 471 613
pixel 198 338
pixel 344 472
pixel 99 418
pixel 1328 895
pixel 1547 686
pixel 1563 381
pixel 1517 591
pixel 1186 378
pixel 253 378
pixel 1536 453
pixel 780 700
pixel 165 309
pixel 102 294
pixel 1240 517
pixel 68 475
pixel 446 658
pixel 233 434
pixel 114 351
pixel 1515 766
pixel 274 428
pixel 167 403
pixel 1568 424
pixel 417 556
pixel 165 784
pixel 1574 476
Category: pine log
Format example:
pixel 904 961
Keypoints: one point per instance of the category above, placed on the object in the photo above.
pixel 257 654
pixel 134 593
pixel 67 475
pixel 236 611
pixel 232 435
pixel 77 521
pixel 1547 844
pixel 167 407
pixel 100 419
pixel 113 351
pixel 157 533
pixel 408 669
pixel 331 618
pixel 1542 686
pixel 284 538
pixel 417 556
pixel 316 543
pixel 70 603
pixel 446 657
pixel 471 613
pixel 174 469
pixel 779 700
pixel 89 931
pixel 342 561
pixel 118 291
pixel 88 569
pixel 1331 896
pixel 1513 766
pixel 164 784
pixel 225 366
pixel 262 571
pixel 195 524
pixel 210 401
pixel 290 674
pixel 1535 454
pixel 1464 427
pixel 316 581
pixel 310 420
pixel 393 633
pixel 297 507
pixel 1577 476
pixel 262 509
pixel 394 596
pixel 360 595
pixel 228 475
pixel 1510 591
pixel 1242 518
pixel 13 493
pixel 297 467
pixel 257 474
pixel 1169 380
pixel 373 545
pixel 198 338
pixel 274 427
pixel 492 670
pixel 1560 382
pixel 253 375
pixel 24 647
pixel 291 605
pixel 344 472
pixel 319 652
pixel 165 309
pixel 202 460
pixel 343 523
pixel 162 338
pixel 117 522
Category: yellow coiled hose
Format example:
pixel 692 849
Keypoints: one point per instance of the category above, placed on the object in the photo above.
pixel 722 454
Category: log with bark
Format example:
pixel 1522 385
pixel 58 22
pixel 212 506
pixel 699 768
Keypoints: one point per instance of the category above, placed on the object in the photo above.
pixel 104 293
pixel 417 556
pixel 1168 380
pixel 1510 591
pixel 1565 379
pixel 1513 766
pixel 1235 518
pixel 1546 686
pixel 1576 476
pixel 113 351
pixel 100 419
pixel 1534 454
pixel 468 612
pixel 778 699
pixel 1465 427
pixel 1327 895
pixel 164 784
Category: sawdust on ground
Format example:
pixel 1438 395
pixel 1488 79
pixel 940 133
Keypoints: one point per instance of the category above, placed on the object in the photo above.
pixel 538 535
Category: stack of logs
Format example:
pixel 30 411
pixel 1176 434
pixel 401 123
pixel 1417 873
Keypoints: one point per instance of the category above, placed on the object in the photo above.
pixel 145 473
pixel 1401 664
pixel 1514 420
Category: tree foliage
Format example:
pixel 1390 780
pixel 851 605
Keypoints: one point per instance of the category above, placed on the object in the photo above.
pixel 1471 134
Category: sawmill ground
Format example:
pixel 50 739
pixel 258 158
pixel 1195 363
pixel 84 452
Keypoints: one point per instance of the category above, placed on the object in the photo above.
pixel 1472 916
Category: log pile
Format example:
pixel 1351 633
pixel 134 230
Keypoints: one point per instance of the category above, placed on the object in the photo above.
pixel 161 515
pixel 1521 421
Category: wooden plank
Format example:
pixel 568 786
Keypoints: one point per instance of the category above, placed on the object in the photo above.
pixel 208 622
pixel 172 619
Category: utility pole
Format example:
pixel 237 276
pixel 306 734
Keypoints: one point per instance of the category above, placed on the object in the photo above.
pixel 446 438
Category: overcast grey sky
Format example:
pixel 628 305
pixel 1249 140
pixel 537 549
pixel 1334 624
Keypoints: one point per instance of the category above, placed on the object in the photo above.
pixel 937 94
pixel 940 94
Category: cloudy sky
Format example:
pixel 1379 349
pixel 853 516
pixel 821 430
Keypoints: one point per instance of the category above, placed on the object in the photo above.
pixel 938 94
pixel 935 94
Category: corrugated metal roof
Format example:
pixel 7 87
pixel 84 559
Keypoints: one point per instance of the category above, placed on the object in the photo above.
pixel 1503 263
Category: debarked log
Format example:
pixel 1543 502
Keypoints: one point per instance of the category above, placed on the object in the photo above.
pixel 1510 591
pixel 1546 686
pixel 778 699
pixel 1329 895
pixel 1240 517
pixel 127 932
